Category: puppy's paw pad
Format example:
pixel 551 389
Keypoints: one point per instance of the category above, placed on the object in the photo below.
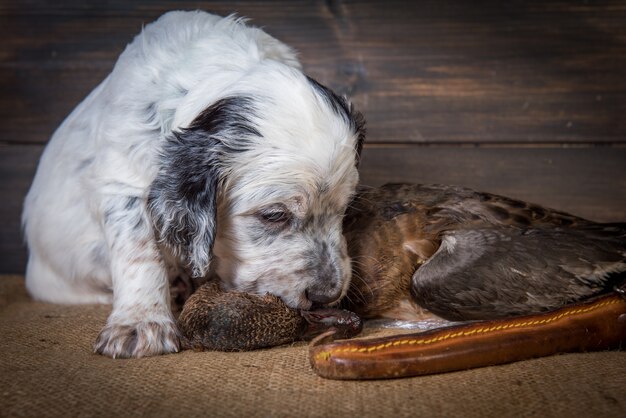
pixel 142 339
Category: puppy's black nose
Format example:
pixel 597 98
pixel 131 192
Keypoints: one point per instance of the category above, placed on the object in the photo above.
pixel 319 297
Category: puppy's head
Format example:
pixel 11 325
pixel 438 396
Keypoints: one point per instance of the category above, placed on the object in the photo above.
pixel 256 188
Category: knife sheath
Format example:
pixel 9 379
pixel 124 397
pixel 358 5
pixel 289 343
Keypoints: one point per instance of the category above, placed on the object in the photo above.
pixel 596 325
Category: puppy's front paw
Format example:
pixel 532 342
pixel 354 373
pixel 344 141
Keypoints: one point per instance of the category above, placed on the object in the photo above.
pixel 142 339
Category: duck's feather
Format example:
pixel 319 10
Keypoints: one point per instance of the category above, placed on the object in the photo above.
pixel 499 272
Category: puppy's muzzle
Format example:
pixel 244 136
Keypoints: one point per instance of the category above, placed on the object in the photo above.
pixel 327 287
pixel 322 296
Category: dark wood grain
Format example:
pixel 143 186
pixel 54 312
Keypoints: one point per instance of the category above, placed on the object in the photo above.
pixel 588 182
pixel 17 167
pixel 426 71
pixel 522 98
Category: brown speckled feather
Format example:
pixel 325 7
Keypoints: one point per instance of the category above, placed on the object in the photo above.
pixel 237 321
pixel 212 319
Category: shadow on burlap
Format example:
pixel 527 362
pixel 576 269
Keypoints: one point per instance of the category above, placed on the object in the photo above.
pixel 47 369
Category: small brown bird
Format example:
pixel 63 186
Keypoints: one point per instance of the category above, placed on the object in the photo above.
pixel 236 321
pixel 466 255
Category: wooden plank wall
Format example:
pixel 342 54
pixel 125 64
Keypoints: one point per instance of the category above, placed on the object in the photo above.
pixel 524 98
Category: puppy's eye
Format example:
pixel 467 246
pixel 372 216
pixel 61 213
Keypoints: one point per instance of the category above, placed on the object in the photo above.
pixel 275 215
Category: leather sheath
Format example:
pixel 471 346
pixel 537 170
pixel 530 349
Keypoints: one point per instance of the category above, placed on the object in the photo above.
pixel 595 325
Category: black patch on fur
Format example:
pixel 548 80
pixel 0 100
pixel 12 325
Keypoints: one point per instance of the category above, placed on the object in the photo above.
pixel 83 164
pixel 182 198
pixel 230 115
pixel 121 212
pixel 99 255
pixel 345 110
pixel 131 202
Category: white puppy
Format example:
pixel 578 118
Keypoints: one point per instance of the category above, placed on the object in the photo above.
pixel 205 152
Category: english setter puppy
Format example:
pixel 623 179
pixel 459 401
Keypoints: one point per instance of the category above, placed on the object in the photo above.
pixel 205 152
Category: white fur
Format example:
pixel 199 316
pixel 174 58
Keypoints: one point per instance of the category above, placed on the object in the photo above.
pixel 87 221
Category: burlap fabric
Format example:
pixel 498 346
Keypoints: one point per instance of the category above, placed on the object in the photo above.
pixel 47 369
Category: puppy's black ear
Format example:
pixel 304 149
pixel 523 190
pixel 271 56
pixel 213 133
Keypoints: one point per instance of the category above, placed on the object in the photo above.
pixel 358 123
pixel 182 200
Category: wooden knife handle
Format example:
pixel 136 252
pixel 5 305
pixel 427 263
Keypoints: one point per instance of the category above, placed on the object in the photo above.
pixel 595 325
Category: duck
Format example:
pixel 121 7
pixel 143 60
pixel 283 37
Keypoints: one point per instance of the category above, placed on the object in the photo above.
pixel 429 250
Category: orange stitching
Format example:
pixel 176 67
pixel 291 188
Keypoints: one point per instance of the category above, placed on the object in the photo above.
pixel 325 355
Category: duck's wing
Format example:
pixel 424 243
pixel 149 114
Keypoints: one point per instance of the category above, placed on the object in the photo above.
pixel 499 272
